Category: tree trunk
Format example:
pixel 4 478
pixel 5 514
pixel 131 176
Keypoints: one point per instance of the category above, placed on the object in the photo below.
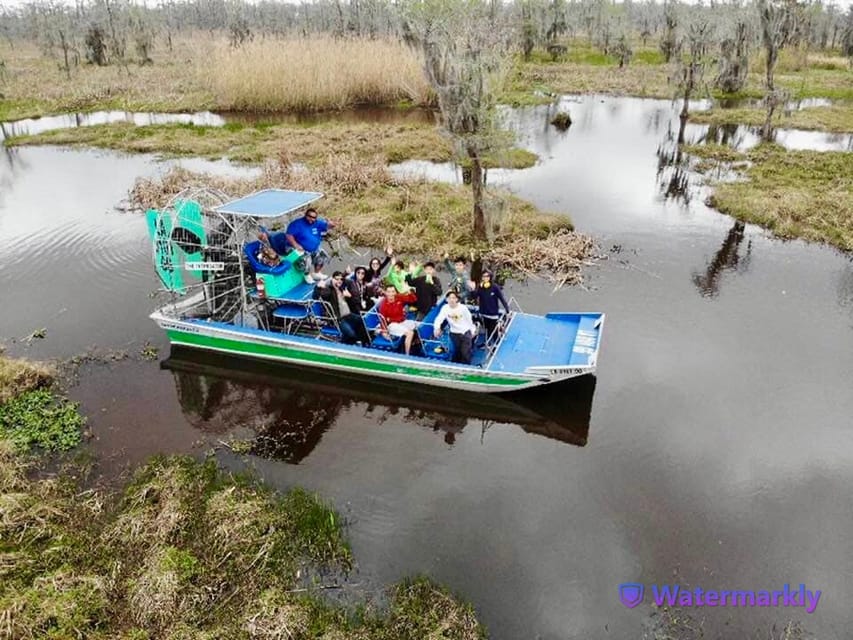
pixel 64 44
pixel 477 193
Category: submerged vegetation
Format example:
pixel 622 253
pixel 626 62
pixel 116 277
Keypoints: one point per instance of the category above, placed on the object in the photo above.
pixel 803 194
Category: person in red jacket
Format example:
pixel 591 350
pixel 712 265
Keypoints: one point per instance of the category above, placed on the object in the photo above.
pixel 392 308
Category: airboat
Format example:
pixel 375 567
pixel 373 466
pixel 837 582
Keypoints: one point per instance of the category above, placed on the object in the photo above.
pixel 220 298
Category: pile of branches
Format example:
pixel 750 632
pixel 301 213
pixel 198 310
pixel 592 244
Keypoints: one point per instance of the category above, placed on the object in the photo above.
pixel 558 257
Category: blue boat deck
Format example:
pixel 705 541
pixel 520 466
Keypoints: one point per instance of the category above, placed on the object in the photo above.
pixel 532 341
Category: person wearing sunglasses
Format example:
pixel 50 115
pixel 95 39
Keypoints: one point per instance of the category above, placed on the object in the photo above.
pixel 305 234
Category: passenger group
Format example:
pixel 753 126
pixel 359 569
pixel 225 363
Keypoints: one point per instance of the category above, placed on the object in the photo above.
pixel 349 296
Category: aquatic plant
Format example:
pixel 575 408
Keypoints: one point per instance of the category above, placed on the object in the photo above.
pixel 42 419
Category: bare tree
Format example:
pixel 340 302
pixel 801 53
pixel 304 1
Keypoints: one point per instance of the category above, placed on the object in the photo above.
pixel 776 18
pixel 623 51
pixel 734 60
pixel 464 58
pixel 557 25
pixel 847 40
pixel 669 42
pixel 528 29
pixel 690 67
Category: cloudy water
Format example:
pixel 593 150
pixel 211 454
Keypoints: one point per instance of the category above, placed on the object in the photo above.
pixel 715 449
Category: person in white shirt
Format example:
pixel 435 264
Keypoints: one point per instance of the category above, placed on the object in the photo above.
pixel 462 327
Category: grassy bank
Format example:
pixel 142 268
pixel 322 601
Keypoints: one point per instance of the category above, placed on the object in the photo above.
pixel 308 144
pixel 416 216
pixel 33 85
pixel 584 69
pixel 248 143
pixel 183 551
pixel 837 118
pixel 203 72
pixel 795 194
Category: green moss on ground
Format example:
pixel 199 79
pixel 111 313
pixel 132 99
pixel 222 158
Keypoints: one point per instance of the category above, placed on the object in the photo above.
pixel 794 194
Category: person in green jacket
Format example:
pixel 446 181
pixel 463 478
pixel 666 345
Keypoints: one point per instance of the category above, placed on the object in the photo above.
pixel 398 274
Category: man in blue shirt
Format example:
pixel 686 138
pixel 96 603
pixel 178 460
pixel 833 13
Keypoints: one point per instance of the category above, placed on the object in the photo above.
pixel 304 234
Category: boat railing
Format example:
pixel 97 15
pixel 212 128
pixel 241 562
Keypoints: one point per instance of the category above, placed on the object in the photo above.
pixel 501 331
pixel 513 305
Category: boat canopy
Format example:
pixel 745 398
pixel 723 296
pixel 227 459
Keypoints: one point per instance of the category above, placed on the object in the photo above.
pixel 269 203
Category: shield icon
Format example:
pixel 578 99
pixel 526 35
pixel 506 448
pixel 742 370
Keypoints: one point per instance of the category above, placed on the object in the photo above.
pixel 631 594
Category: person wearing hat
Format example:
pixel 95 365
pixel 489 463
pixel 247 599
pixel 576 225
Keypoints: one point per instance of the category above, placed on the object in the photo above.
pixel 489 296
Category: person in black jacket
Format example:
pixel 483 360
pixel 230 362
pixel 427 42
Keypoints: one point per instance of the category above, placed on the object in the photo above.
pixel 488 294
pixel 428 289
pixel 373 276
pixel 336 295
pixel 359 291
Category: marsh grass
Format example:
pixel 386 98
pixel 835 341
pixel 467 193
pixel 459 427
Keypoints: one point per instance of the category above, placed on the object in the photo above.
pixel 186 551
pixel 836 118
pixel 316 74
pixel 794 194
pixel 18 376
pixel 418 217
pixel 307 144
pixel 36 86
pixel 585 70
pixel 204 72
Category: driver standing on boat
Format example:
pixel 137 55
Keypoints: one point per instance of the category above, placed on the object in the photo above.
pixel 304 234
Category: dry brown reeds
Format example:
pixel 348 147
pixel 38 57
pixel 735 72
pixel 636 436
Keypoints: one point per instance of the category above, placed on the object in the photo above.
pixel 18 376
pixel 415 216
pixel 560 256
pixel 315 74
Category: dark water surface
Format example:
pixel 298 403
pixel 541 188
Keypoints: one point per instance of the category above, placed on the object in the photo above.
pixel 715 450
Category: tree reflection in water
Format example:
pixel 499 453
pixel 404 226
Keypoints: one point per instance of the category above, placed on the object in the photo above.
pixel 288 410
pixel 673 174
pixel 727 258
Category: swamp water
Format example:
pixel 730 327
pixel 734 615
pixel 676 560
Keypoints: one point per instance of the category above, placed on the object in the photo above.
pixel 715 450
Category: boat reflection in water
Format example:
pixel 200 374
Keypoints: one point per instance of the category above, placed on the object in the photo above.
pixel 288 409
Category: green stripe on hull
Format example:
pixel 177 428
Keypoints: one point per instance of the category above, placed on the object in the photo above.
pixel 312 357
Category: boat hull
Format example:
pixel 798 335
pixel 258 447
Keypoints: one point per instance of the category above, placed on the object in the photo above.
pixel 331 356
